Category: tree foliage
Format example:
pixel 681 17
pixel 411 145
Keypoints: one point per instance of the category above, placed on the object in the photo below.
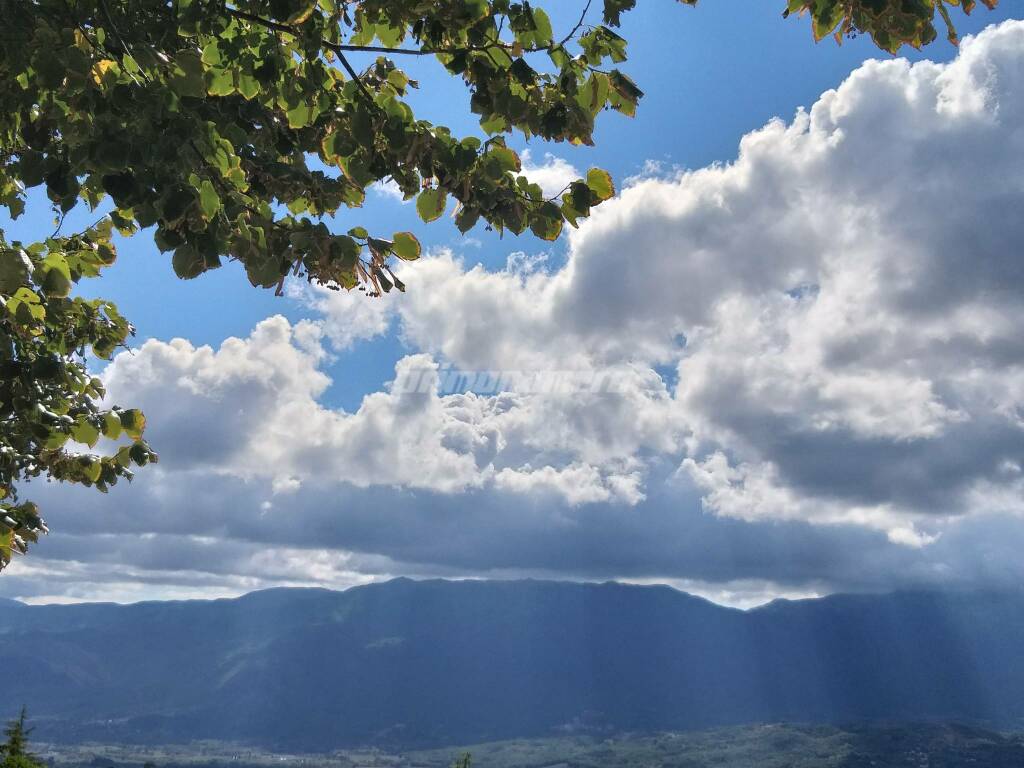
pixel 14 752
pixel 48 398
pixel 890 23
pixel 237 129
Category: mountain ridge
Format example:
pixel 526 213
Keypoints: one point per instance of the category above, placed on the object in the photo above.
pixel 427 663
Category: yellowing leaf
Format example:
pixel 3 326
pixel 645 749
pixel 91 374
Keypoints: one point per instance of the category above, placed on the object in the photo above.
pixel 100 69
pixel 134 422
pixel 600 183
pixel 406 246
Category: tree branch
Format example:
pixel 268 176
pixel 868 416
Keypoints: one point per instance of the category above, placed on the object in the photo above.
pixel 354 76
pixel 579 24
pixel 342 48
pixel 289 30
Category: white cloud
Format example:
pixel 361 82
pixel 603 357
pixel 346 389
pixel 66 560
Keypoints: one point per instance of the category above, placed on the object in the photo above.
pixel 346 317
pixel 848 291
pixel 251 410
pixel 576 484
pixel 390 190
pixel 754 492
pixel 553 174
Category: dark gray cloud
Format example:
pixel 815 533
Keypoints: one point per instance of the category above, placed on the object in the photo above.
pixel 210 536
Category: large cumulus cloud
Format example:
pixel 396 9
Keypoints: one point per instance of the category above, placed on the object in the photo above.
pixel 251 410
pixel 841 304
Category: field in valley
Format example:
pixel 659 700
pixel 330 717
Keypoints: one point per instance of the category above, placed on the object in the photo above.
pixel 760 746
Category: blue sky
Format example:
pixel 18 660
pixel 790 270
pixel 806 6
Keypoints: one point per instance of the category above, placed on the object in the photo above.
pixel 712 75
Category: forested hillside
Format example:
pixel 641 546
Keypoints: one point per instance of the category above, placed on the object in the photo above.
pixel 415 664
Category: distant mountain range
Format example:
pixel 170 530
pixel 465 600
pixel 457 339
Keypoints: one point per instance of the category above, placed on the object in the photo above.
pixel 430 663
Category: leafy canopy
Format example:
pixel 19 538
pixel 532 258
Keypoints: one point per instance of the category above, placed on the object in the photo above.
pixel 48 398
pixel 231 128
pixel 890 23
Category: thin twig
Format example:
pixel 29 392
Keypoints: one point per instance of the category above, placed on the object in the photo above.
pixel 60 224
pixel 579 24
pixel 341 48
pixel 354 76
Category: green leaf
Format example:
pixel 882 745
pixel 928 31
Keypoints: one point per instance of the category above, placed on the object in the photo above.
pixel 398 79
pixel 826 17
pixel 264 272
pixel 176 204
pixel 577 201
pixel 494 124
pixel 222 82
pixel 600 183
pixel 406 246
pixel 248 86
pixel 56 441
pixel 302 10
pixel 187 75
pixel 85 433
pixel 301 115
pixel 624 85
pixel 91 468
pixel 15 269
pixel 506 159
pixel 466 219
pixel 211 54
pixel 56 276
pixel 140 453
pixel 594 93
pixel 613 10
pixel 541 33
pixel 346 251
pixel 547 222
pixel 187 262
pixel 430 204
pixel 112 427
pixel 134 423
pixel 26 307
pixel 209 200
pixel 130 64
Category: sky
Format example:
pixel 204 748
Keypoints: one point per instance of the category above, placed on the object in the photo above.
pixel 784 360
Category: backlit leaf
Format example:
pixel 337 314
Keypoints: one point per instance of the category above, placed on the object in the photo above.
pixel 406 246
pixel 430 204
pixel 600 183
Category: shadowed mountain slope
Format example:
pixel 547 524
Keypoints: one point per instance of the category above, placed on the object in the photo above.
pixel 409 663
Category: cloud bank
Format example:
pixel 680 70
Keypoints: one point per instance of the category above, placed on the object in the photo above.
pixel 818 365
